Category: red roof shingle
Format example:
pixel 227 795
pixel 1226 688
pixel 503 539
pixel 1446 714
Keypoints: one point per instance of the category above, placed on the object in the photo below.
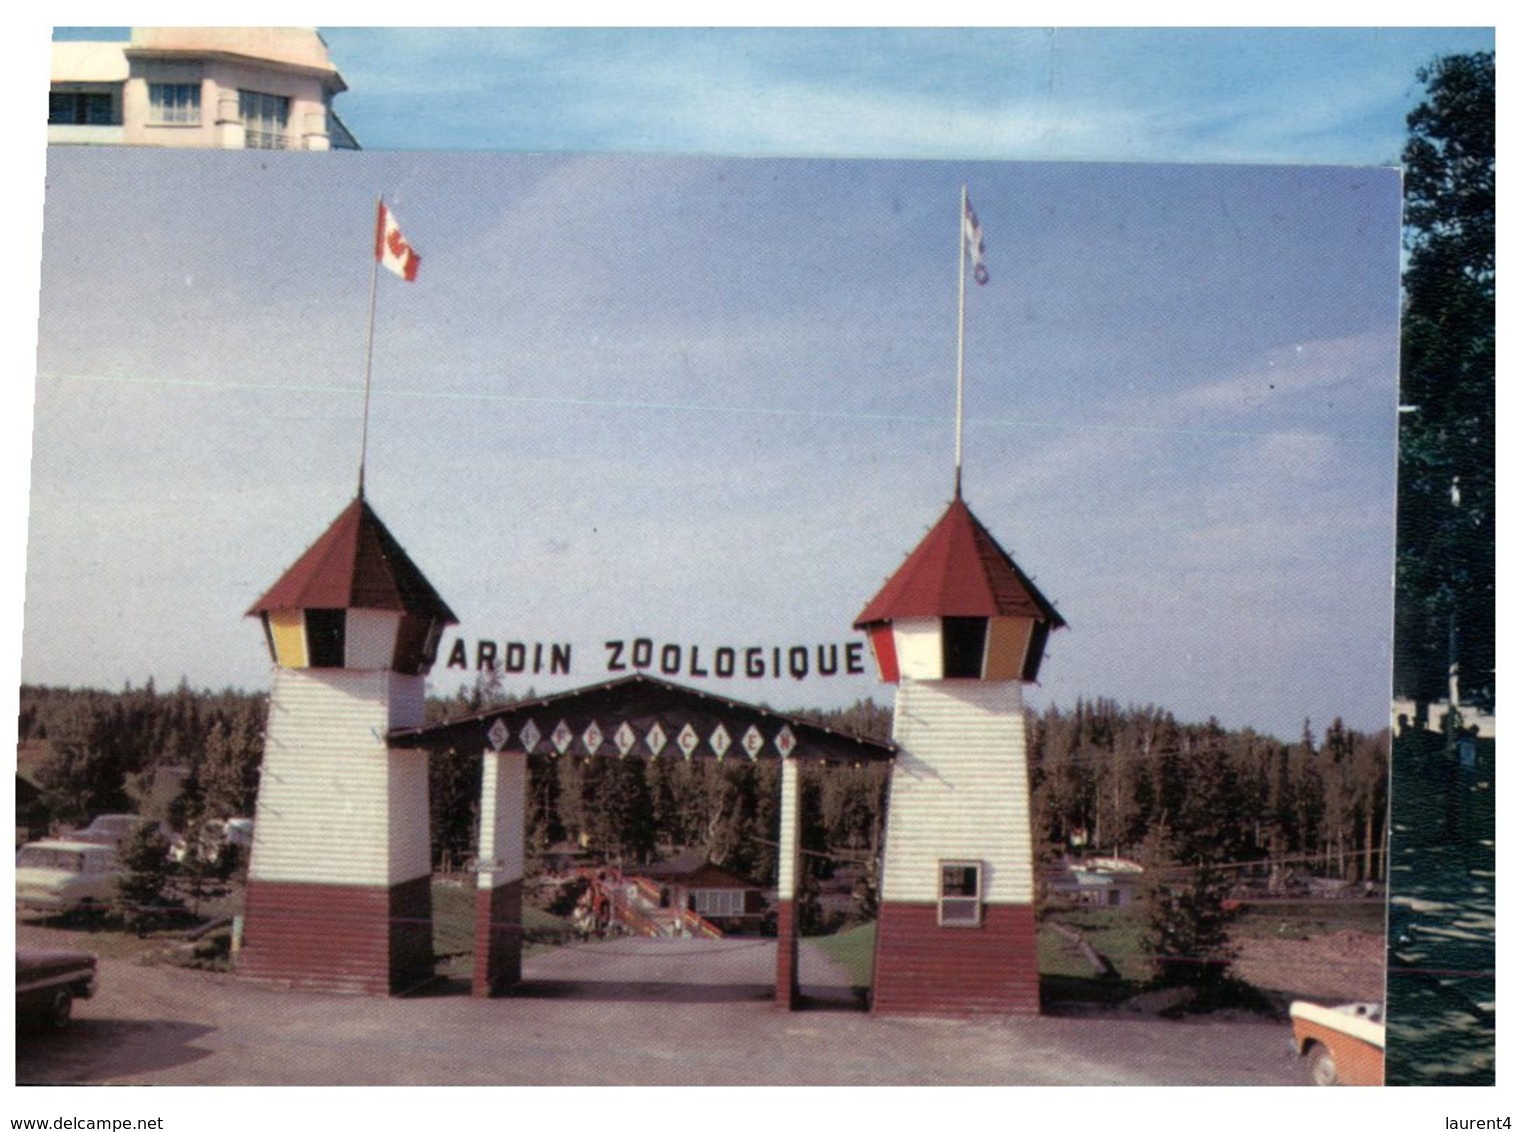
pixel 958 570
pixel 355 564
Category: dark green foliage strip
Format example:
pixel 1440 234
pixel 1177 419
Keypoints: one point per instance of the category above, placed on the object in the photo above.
pixel 1445 529
pixel 1127 782
pixel 107 747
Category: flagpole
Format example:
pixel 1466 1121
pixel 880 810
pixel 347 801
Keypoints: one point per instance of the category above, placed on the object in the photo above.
pixel 961 321
pixel 364 431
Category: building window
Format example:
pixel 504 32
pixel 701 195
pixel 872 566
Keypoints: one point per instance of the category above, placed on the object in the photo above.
pixel 718 901
pixel 265 118
pixel 961 902
pixel 174 104
pixel 81 108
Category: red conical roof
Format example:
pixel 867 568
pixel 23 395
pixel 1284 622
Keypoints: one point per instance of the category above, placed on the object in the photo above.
pixel 958 570
pixel 356 564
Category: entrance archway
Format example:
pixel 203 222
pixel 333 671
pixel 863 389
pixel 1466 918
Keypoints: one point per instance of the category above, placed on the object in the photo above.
pixel 637 716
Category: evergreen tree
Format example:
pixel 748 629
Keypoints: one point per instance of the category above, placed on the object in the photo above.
pixel 144 886
pixel 1445 544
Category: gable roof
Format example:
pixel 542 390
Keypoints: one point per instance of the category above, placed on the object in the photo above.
pixel 958 570
pixel 355 564
pixel 642 702
pixel 692 867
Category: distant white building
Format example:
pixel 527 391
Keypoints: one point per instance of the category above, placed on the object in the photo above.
pixel 209 88
pixel 1429 717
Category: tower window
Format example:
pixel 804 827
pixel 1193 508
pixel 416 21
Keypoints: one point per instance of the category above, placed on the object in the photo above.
pixel 961 902
pixel 325 637
pixel 962 640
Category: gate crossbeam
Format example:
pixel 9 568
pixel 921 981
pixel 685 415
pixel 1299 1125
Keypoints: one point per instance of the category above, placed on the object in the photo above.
pixel 645 716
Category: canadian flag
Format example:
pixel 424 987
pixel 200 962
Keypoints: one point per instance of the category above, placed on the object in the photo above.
pixel 391 248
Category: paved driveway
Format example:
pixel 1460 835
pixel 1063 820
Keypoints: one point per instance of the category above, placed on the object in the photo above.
pixel 636 1012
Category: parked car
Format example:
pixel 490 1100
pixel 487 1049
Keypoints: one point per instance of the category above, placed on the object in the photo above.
pixel 65 875
pixel 1345 1045
pixel 113 829
pixel 48 982
pixel 212 841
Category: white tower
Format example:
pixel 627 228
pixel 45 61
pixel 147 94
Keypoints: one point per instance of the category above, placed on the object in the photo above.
pixel 958 629
pixel 338 883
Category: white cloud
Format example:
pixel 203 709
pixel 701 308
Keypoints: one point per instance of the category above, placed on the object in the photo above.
pixel 1360 365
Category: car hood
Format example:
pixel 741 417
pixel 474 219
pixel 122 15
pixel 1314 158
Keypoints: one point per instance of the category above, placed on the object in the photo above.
pixel 45 878
pixel 34 962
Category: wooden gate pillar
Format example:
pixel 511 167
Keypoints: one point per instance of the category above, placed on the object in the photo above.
pixel 499 877
pixel 787 889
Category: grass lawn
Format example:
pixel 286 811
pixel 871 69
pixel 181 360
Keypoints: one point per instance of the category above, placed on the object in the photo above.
pixel 454 923
pixel 852 949
pixel 1068 977
pixel 1309 917
pixel 1065 975
pixel 1117 934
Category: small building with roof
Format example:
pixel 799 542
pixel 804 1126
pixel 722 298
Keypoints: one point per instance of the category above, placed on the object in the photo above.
pixel 690 882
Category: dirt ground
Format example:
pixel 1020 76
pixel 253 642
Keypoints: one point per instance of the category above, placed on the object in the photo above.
pixel 1343 966
pixel 635 1012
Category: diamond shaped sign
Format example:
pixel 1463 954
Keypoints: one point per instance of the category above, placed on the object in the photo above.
pixel 591 738
pixel 562 737
pixel 752 741
pixel 655 739
pixel 786 741
pixel 688 740
pixel 719 741
pixel 529 736
pixel 498 735
pixel 624 738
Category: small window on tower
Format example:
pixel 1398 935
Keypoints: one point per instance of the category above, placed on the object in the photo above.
pixel 325 638
pixel 962 641
pixel 961 903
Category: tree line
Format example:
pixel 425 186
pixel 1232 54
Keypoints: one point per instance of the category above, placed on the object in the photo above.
pixel 1134 782
pixel 110 752
pixel 1105 780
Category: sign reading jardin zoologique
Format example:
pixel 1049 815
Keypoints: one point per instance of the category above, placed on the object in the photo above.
pixel 643 654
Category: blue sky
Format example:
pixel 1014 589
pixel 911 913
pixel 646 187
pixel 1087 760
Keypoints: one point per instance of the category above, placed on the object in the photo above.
pixel 710 401
pixel 1274 95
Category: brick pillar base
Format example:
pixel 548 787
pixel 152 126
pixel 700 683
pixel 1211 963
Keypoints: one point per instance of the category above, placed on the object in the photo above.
pixel 923 968
pixel 333 937
pixel 788 996
pixel 499 939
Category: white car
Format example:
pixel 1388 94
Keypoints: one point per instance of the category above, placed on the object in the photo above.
pixel 64 876
pixel 115 829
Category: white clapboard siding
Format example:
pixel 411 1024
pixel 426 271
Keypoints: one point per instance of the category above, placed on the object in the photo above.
pixel 370 637
pixel 499 852
pixel 409 696
pixel 335 806
pixel 787 836
pixel 918 643
pixel 959 789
